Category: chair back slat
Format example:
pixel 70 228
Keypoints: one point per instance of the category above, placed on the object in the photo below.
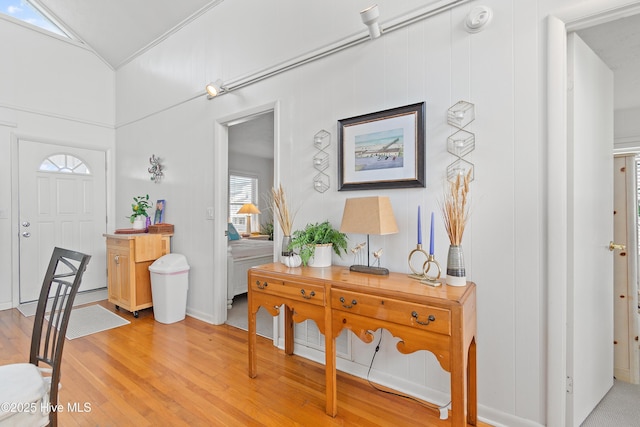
pixel 48 338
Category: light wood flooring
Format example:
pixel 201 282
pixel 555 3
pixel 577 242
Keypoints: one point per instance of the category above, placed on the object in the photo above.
pixel 192 373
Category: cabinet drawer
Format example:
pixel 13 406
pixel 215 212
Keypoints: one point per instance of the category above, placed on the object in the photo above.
pixel 313 294
pixel 405 313
pixel 118 244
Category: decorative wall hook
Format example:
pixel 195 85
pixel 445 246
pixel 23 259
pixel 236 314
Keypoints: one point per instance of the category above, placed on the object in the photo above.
pixel 156 169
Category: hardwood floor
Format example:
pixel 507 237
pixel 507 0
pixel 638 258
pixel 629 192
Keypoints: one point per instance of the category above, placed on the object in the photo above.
pixel 195 374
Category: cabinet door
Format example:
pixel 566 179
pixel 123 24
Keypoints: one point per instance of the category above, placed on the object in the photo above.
pixel 118 262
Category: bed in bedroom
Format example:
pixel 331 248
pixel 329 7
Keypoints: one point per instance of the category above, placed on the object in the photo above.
pixel 241 256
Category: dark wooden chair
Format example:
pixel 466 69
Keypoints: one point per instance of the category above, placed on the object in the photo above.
pixel 28 391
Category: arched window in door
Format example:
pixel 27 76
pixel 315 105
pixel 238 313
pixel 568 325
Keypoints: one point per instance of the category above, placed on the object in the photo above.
pixel 64 163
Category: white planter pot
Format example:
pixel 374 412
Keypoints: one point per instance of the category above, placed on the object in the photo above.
pixel 139 223
pixel 322 256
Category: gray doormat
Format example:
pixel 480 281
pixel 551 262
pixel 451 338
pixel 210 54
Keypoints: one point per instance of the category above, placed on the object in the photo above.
pixel 89 320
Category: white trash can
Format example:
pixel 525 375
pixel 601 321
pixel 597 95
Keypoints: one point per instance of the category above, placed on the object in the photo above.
pixel 169 286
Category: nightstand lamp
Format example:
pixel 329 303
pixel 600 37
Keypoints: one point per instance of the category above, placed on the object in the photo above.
pixel 249 209
pixel 368 215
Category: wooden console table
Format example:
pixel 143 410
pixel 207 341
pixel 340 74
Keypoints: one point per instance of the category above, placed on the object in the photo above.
pixel 441 320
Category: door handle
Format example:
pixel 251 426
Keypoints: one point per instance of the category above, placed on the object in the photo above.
pixel 26 234
pixel 614 246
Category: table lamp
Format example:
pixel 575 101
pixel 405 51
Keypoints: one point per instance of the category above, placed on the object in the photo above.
pixel 249 209
pixel 368 215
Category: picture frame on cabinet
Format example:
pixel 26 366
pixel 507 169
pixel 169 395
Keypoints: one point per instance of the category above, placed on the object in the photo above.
pixel 382 150
pixel 159 216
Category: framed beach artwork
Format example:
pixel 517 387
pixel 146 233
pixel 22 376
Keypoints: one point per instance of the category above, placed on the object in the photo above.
pixel 382 150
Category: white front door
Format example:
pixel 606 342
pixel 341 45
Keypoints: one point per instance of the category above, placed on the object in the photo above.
pixel 62 203
pixel 590 229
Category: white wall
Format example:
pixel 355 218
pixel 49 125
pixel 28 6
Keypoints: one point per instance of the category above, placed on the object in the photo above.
pixel 51 90
pixel 627 130
pixel 501 70
pixel 434 61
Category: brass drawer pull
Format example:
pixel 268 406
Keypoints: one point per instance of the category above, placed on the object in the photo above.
pixel 353 302
pixel 305 296
pixel 261 285
pixel 430 319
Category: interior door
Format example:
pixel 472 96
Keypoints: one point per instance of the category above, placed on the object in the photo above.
pixel 62 202
pixel 590 229
pixel 625 270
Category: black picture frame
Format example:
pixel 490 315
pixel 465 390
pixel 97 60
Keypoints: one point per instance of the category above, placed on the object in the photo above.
pixel 382 150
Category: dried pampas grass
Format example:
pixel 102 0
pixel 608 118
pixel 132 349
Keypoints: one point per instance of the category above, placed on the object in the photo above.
pixel 282 210
pixel 455 208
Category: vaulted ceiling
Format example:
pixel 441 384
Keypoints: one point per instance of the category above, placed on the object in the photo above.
pixel 119 30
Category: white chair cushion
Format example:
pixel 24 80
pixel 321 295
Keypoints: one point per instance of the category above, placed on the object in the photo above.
pixel 23 395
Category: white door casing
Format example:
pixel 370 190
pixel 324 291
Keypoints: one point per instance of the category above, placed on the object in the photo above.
pixel 590 229
pixel 59 209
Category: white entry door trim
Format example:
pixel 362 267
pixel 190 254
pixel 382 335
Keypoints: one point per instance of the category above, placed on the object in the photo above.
pixel 16 138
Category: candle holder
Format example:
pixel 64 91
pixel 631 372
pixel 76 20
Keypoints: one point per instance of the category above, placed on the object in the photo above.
pixel 431 280
pixel 421 274
pixel 417 252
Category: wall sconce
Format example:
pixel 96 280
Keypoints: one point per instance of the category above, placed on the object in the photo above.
pixel 214 89
pixel 369 18
pixel 321 141
pixel 156 169
pixel 461 142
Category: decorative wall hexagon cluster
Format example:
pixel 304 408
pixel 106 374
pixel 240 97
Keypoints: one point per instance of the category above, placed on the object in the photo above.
pixel 321 142
pixel 461 142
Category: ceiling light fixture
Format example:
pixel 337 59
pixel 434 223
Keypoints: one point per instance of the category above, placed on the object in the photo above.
pixel 370 19
pixel 214 89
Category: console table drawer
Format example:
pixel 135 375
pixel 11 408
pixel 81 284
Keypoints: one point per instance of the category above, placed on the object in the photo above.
pixel 312 294
pixel 405 313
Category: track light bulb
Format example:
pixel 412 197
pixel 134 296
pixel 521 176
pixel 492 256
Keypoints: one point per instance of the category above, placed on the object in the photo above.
pixel 214 88
pixel 369 18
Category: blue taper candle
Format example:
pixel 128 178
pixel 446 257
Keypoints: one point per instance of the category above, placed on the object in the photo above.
pixel 431 240
pixel 419 227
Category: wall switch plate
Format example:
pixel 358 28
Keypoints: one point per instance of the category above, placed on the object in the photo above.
pixel 209 213
pixel 4 214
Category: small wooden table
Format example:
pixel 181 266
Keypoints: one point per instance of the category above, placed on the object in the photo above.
pixel 441 320
pixel 129 256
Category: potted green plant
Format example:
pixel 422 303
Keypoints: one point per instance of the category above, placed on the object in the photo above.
pixel 316 237
pixel 139 216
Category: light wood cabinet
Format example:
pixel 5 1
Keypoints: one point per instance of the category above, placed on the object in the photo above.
pixel 128 259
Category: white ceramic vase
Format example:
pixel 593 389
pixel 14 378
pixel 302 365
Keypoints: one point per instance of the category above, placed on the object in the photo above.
pixel 321 256
pixel 456 274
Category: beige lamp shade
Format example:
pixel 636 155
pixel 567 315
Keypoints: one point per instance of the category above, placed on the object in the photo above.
pixel 368 215
pixel 248 208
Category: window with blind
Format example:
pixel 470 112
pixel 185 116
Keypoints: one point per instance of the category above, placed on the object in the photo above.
pixel 243 189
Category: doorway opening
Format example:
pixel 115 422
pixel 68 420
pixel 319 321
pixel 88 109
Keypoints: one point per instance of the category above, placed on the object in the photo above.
pixel 251 168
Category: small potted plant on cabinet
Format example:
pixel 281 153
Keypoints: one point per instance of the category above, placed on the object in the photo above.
pixel 315 243
pixel 139 216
